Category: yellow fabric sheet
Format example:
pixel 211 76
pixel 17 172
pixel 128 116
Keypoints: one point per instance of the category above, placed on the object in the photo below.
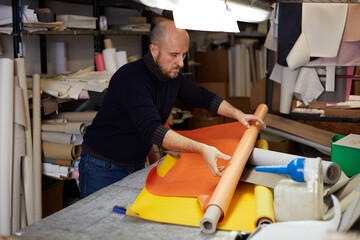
pixel 187 210
pixel 243 214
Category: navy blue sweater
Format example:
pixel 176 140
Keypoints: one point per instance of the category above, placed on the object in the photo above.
pixel 137 104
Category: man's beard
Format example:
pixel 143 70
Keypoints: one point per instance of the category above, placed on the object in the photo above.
pixel 163 70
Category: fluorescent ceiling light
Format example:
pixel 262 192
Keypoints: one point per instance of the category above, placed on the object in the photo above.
pixel 249 11
pixel 204 15
pixel 162 4
pixel 213 15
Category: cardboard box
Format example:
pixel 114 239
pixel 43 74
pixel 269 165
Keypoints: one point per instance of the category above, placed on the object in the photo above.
pixel 220 88
pixel 76 21
pixel 213 66
pixel 258 95
pixel 242 103
pixel 52 197
pixel 285 146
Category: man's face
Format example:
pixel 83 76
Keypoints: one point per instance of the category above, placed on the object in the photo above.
pixel 170 54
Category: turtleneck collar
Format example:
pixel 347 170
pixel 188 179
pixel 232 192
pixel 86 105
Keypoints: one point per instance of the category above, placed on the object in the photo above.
pixel 154 69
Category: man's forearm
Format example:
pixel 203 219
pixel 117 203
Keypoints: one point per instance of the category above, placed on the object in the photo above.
pixel 176 142
pixel 227 110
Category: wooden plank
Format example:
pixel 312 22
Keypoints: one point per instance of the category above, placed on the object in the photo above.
pixel 354 113
pixel 299 129
pixel 343 128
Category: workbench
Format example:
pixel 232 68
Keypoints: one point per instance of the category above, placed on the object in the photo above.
pixel 92 218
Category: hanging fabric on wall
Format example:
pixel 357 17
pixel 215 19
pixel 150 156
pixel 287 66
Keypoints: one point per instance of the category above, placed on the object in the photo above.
pixel 348 55
pixel 289 29
pixel 339 95
pixel 287 78
pixel 321 39
pixel 271 41
pixel 352 30
pixel 308 86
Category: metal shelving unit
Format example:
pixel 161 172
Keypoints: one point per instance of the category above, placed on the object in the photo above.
pixel 98 10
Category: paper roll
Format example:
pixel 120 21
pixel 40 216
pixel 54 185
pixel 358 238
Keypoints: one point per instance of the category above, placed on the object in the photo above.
pixel 70 127
pixel 37 147
pixel 60 57
pixel 99 62
pixel 108 43
pixel 6 142
pixel 260 157
pixel 109 59
pixel 264 209
pixel 74 116
pixel 63 162
pixel 57 137
pixel 58 150
pixel 19 145
pixel 27 163
pixel 75 174
pixel 121 59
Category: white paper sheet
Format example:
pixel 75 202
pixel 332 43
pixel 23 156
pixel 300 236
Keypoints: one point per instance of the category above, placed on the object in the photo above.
pixel 330 79
pixel 308 86
pixel 287 88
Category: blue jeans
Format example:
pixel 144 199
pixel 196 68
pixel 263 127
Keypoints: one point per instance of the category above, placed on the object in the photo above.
pixel 96 174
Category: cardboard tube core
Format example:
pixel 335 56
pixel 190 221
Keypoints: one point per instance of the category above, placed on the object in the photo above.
pixel 210 220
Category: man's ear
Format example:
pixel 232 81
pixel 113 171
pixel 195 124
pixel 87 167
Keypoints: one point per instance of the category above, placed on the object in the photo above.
pixel 153 50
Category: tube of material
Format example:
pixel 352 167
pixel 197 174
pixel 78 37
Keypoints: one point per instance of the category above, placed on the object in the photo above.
pixel 19 145
pixel 37 147
pixel 260 157
pixel 74 116
pixel 224 191
pixel 264 210
pixel 6 142
pixel 27 163
pixel 99 62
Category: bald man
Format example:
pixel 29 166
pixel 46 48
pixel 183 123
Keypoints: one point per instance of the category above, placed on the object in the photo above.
pixel 137 104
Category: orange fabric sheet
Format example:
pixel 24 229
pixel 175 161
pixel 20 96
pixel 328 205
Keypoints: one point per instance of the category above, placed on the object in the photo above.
pixel 190 177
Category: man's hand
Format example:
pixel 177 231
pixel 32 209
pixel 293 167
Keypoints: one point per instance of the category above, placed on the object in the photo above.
pixel 247 119
pixel 211 155
pixel 176 142
pixel 227 110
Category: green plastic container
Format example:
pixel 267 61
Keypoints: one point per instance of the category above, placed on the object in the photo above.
pixel 347 157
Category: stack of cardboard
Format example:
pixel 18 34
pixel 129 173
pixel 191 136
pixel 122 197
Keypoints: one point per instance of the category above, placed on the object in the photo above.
pixel 212 74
